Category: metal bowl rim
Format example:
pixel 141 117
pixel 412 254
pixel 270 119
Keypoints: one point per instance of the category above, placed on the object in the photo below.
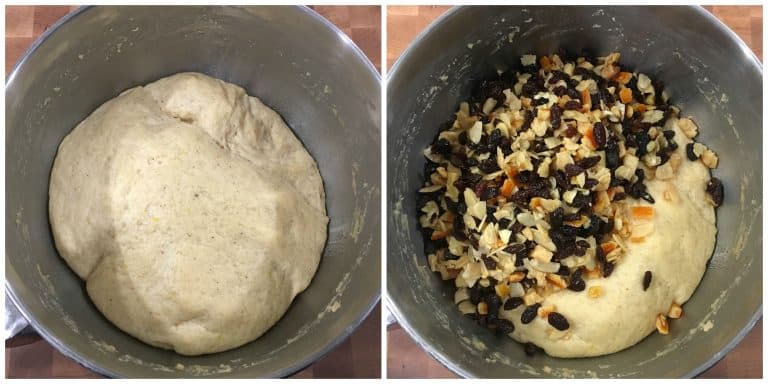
pixel 445 360
pixel 63 348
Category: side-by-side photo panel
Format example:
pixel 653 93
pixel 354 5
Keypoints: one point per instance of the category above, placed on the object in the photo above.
pixel 574 192
pixel 193 192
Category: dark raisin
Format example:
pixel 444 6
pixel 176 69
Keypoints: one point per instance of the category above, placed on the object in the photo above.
pixel 647 280
pixel 588 162
pixel 463 138
pixel 489 263
pixel 532 349
pixel 669 134
pixel 599 135
pixel 495 137
pixel 641 140
pixel 581 201
pixel 577 282
pixel 489 193
pixel 442 147
pixel 513 303
pixel 573 93
pixel 671 145
pixel 515 248
pixel 689 152
pixel 619 196
pixel 527 119
pixel 503 223
pixel 556 218
pixel 558 321
pixel 562 181
pixel 529 89
pixel 611 154
pixel 556 114
pixel 493 89
pixel 572 170
pixel 559 91
pixel 572 105
pixel 570 131
pixel 489 165
pixel 505 326
pixel 607 268
pixel 715 190
pixel 589 183
pixel 475 294
pixel 529 313
pixel 557 76
pixel 564 270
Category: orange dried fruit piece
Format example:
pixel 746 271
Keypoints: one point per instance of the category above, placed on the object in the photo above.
pixel 642 212
pixel 437 235
pixel 623 77
pixel 507 187
pixel 625 95
pixel 545 63
pixel 586 100
pixel 641 108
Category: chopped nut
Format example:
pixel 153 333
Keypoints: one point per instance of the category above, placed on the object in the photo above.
pixel 675 311
pixel 557 281
pixel 516 277
pixel 541 254
pixel 661 324
pixel 545 310
pixel 531 297
pixel 482 308
pixel 595 291
pixel 709 159
pixel 688 127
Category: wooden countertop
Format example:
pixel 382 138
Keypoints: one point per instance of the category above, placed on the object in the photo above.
pixel 358 356
pixel 404 357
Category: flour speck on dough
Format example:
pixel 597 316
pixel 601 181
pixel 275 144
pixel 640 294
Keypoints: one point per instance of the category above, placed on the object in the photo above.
pixel 192 212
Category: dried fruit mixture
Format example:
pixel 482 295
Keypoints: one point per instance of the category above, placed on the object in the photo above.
pixel 527 188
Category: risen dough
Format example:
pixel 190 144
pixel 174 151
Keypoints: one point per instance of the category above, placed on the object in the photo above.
pixel 192 212
pixel 676 254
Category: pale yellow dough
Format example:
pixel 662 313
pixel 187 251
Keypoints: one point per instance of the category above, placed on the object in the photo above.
pixel 676 254
pixel 191 210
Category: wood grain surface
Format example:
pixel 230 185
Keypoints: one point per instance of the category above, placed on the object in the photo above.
pixel 405 359
pixel 358 356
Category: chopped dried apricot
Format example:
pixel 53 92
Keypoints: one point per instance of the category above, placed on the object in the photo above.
pixel 545 63
pixel 507 187
pixel 642 212
pixel 437 235
pixel 623 77
pixel 625 95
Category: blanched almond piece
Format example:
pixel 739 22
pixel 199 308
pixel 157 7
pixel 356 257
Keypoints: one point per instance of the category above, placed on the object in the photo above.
pixel 675 311
pixel 709 159
pixel 545 310
pixel 541 254
pixel 662 325
pixel 688 127
pixel 461 294
pixel 516 277
pixel 482 308
pixel 557 281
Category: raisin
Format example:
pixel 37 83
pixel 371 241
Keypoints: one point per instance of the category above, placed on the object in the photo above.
pixel 572 170
pixel 556 218
pixel 489 193
pixel 463 138
pixel 669 134
pixel 577 282
pixel 611 154
pixel 529 313
pixel 557 76
pixel 671 145
pixel 493 89
pixel 607 268
pixel 558 321
pixel 589 183
pixel 556 114
pixel 689 152
pixel 619 196
pixel 489 263
pixel 515 248
pixel 531 349
pixel 442 147
pixel 572 105
pixel 564 270
pixel 495 137
pixel 559 91
pixel 641 141
pixel 475 294
pixel 513 303
pixel 599 135
pixel 489 165
pixel 505 326
pixel 716 191
pixel 588 162
pixel 647 280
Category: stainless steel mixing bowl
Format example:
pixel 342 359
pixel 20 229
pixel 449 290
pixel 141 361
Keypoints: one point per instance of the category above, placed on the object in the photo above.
pixel 291 58
pixel 708 71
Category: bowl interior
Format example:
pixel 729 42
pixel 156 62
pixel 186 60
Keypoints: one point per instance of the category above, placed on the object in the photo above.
pixel 293 60
pixel 708 72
